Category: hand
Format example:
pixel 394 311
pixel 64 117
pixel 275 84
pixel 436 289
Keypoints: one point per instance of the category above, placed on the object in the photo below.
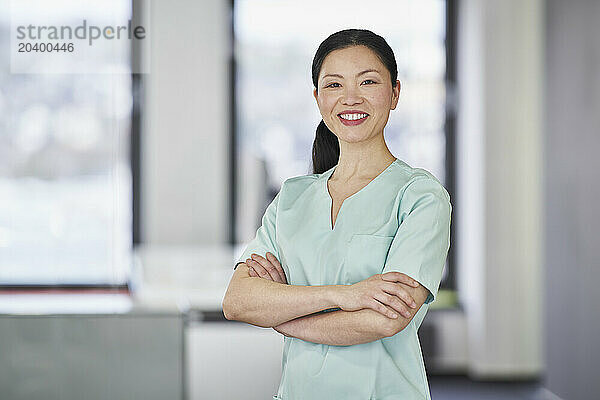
pixel 267 268
pixel 384 293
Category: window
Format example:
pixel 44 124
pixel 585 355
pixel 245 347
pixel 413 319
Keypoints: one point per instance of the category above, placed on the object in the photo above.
pixel 65 175
pixel 276 115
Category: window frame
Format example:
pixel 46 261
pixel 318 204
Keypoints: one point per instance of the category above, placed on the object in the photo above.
pixel 135 148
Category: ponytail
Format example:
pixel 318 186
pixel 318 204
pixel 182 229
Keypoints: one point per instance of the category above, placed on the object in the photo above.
pixel 326 149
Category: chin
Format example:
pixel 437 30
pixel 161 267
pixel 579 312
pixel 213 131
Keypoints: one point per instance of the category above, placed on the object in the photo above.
pixel 353 137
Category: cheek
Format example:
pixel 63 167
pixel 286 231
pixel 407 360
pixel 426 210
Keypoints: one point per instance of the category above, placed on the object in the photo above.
pixel 381 100
pixel 327 103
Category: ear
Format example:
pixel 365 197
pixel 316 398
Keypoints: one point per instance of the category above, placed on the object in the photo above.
pixel 316 95
pixel 395 95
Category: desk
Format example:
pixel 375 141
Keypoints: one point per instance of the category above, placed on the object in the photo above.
pixel 136 354
pixel 154 344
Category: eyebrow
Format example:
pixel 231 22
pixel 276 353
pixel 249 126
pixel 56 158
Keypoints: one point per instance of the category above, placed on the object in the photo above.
pixel 359 74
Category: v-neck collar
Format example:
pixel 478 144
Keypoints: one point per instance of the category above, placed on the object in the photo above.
pixel 325 178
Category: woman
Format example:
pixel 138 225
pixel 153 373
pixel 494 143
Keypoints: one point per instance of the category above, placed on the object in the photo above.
pixel 343 250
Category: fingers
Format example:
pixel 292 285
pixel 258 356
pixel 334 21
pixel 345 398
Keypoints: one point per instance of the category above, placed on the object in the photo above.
pixel 277 266
pixel 382 309
pixel 265 268
pixel 269 266
pixel 400 293
pixel 394 303
pixel 395 276
pixel 259 269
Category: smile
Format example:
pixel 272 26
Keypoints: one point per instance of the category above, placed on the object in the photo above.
pixel 353 119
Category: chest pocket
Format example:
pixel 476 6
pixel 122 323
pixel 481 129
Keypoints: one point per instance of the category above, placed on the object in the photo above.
pixel 365 256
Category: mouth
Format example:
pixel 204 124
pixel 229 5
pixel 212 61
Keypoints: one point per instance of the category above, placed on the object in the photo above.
pixel 351 119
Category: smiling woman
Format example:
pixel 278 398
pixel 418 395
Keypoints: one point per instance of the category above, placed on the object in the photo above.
pixel 382 256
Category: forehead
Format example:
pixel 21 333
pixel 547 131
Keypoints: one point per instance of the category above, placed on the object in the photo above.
pixel 355 58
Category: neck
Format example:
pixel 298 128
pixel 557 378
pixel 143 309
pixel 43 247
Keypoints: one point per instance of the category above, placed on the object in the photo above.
pixel 362 160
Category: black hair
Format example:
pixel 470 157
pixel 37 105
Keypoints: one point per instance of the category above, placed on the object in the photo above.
pixel 326 148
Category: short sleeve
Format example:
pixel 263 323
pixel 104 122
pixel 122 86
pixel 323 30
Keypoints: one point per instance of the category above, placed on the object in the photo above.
pixel 421 243
pixel 264 240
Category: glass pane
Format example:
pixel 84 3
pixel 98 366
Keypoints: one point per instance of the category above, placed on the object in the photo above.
pixel 65 178
pixel 277 114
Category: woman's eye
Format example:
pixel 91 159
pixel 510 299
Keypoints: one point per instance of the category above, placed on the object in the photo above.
pixel 335 83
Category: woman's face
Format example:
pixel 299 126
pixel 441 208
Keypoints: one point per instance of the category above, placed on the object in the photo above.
pixel 353 82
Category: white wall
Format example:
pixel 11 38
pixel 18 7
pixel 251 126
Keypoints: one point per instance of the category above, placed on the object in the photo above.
pixel 499 180
pixel 185 139
pixel 572 192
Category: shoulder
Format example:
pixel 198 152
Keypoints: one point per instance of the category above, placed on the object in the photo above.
pixel 299 183
pixel 421 189
pixel 419 182
pixel 294 187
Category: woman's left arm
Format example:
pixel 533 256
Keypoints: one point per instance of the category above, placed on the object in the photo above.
pixel 345 328
pixel 338 328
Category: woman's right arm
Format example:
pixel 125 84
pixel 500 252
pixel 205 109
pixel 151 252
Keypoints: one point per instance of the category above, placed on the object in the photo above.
pixel 247 298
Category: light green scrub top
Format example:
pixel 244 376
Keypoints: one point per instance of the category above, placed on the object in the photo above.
pixel 400 221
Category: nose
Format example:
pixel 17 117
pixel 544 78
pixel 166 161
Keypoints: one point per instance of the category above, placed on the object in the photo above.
pixel 351 95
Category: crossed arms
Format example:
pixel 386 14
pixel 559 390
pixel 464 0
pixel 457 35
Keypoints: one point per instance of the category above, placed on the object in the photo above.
pixel 295 310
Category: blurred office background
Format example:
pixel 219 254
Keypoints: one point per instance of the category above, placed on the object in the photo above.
pixel 125 197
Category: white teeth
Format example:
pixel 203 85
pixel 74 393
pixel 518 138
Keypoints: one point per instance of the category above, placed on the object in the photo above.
pixel 352 117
